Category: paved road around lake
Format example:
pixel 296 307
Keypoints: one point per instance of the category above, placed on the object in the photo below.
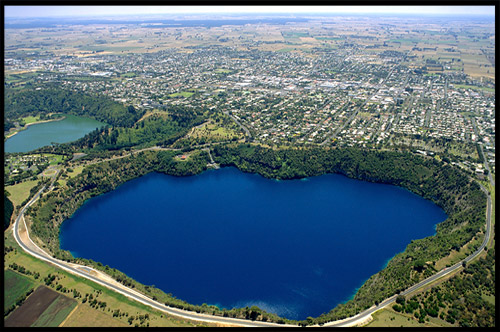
pixel 21 235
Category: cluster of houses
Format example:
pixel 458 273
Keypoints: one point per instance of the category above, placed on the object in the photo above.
pixel 347 96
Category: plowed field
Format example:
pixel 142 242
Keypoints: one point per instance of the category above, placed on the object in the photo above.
pixel 38 308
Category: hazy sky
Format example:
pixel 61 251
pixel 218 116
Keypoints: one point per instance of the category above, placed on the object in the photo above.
pixel 58 11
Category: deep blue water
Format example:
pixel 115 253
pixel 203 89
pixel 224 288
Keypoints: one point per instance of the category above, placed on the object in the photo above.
pixel 296 247
pixel 35 136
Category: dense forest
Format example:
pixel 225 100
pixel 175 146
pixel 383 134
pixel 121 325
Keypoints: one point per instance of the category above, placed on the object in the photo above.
pixel 460 197
pixel 26 102
pixel 157 129
pixel 8 210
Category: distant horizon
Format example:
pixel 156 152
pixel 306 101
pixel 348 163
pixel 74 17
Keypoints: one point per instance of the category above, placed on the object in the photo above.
pixel 41 12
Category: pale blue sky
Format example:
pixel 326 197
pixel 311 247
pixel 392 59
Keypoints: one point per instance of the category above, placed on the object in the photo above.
pixel 89 11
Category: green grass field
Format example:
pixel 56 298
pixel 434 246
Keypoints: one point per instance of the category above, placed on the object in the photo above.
pixel 390 318
pixel 212 131
pixel 387 318
pixel 75 171
pixel 128 75
pixel 56 312
pixel 15 285
pixel 88 317
pixel 30 119
pixel 183 94
pixel 472 87
pixel 223 71
pixel 54 159
pixel 20 191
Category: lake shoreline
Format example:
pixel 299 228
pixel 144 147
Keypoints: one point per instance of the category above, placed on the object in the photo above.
pixel 32 123
pixel 227 301
pixel 63 129
pixel 365 293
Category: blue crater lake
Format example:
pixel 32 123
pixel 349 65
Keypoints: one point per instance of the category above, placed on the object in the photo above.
pixel 296 248
pixel 35 136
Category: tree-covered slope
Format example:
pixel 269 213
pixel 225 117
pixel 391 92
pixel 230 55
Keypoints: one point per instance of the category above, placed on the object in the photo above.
pixel 26 102
pixel 460 197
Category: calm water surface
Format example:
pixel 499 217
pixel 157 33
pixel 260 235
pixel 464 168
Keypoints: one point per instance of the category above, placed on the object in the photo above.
pixel 38 135
pixel 296 248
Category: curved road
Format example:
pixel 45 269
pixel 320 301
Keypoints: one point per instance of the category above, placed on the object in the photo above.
pixel 82 271
pixel 85 272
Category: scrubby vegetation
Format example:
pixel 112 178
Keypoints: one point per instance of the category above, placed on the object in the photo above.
pixel 467 300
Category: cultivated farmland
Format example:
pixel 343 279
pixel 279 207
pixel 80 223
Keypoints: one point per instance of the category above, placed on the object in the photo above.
pixel 15 286
pixel 33 308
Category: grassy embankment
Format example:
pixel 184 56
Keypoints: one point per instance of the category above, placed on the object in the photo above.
pixel 71 173
pixel 391 318
pixel 20 191
pixel 15 285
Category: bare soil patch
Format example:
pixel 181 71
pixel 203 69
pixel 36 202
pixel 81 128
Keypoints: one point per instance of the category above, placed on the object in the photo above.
pixel 56 313
pixel 34 306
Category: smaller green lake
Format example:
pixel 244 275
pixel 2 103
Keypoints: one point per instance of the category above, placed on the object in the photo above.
pixel 46 133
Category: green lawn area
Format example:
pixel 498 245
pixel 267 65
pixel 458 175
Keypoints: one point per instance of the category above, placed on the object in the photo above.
pixel 54 159
pixel 295 34
pixel 15 285
pixel 30 119
pixel 128 75
pixel 473 87
pixel 184 94
pixel 489 298
pixel 20 191
pixel 466 113
pixel 212 132
pixel 405 40
pixel 223 71
pixel 75 171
